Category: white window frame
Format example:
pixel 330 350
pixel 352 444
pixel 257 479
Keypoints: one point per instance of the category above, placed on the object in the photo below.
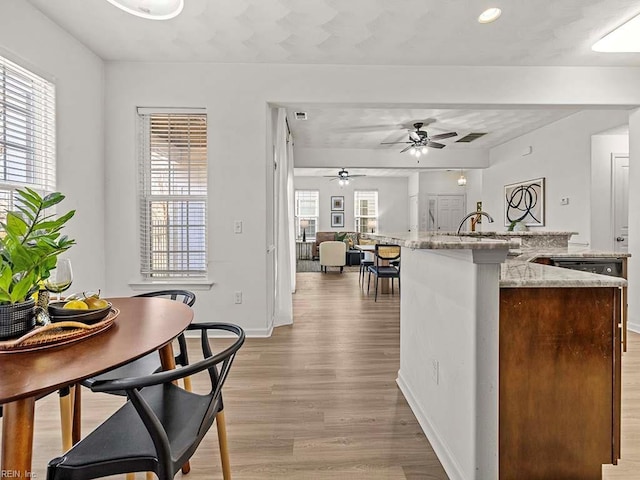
pixel 187 260
pixel 27 133
pixel 310 236
pixel 357 216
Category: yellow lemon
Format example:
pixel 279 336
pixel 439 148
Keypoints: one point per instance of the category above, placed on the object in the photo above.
pixel 76 305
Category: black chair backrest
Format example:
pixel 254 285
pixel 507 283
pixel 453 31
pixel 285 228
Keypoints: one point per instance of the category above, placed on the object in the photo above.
pixel 184 296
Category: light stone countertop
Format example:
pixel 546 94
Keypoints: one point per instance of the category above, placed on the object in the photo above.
pixel 518 271
pixel 430 241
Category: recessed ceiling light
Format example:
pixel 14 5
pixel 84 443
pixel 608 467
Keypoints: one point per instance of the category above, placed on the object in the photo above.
pixel 490 15
pixel 150 9
pixel 624 39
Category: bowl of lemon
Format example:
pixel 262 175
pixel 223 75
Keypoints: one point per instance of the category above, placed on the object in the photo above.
pixel 84 309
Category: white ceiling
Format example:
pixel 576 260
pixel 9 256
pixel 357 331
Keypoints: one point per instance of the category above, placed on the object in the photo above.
pixel 365 32
pixel 353 32
pixel 335 126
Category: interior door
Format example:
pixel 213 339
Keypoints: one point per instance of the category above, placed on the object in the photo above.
pixel 621 203
pixel 450 212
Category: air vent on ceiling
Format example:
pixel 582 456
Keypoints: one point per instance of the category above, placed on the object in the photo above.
pixel 470 137
pixel 301 115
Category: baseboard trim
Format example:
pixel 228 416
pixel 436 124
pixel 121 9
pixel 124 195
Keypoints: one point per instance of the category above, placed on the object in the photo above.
pixel 634 327
pixel 442 452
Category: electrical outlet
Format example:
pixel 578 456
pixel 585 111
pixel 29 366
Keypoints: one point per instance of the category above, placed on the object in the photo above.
pixel 435 371
pixel 564 201
pixel 237 226
pixel 237 297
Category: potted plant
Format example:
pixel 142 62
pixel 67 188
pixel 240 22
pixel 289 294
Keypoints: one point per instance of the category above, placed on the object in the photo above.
pixel 30 242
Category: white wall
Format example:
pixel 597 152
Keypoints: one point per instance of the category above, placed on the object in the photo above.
pixel 562 155
pixel 33 41
pixel 602 148
pixel 393 201
pixel 366 158
pixel 237 95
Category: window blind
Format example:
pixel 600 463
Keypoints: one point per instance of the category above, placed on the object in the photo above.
pixel 173 194
pixel 366 211
pixel 307 208
pixel 27 132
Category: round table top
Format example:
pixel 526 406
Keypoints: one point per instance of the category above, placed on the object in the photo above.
pixel 143 325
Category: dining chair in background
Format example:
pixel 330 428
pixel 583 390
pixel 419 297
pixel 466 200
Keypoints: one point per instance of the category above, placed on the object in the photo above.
pixel 384 254
pixel 366 260
pixel 160 426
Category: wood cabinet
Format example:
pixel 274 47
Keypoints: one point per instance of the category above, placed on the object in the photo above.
pixel 559 382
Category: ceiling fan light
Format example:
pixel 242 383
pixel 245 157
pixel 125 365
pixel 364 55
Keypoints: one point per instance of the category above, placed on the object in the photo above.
pixel 489 15
pixel 150 9
pixel 341 182
pixel 346 181
pixel 424 150
pixel 462 181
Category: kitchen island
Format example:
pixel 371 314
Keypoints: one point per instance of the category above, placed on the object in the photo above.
pixel 499 362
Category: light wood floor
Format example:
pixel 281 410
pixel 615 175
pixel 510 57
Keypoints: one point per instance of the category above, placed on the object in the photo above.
pixel 319 400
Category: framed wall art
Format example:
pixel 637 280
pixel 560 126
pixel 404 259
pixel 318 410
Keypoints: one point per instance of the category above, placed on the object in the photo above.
pixel 337 219
pixel 337 204
pixel 524 202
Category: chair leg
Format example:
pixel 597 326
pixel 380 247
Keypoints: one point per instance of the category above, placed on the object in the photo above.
pixel 341 269
pixel 391 285
pixel 376 296
pixel 224 448
pixel 66 418
pixel 368 283
pixel 187 384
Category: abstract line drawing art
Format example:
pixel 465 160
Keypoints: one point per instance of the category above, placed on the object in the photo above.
pixel 524 202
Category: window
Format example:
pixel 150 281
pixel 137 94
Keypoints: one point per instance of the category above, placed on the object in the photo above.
pixel 173 194
pixel 307 213
pixel 366 211
pixel 27 133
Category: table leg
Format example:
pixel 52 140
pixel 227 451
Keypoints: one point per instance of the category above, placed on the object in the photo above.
pixel 76 431
pixel 17 438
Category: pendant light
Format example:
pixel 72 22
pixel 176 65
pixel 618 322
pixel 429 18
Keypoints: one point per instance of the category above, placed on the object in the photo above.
pixel 462 181
pixel 150 9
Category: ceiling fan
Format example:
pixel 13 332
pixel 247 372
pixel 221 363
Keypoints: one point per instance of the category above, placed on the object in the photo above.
pixel 343 177
pixel 419 140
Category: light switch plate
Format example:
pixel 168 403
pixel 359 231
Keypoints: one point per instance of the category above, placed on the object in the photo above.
pixel 237 226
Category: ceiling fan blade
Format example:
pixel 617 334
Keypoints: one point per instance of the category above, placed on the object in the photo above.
pixel 414 136
pixel 405 149
pixel 435 145
pixel 330 176
pixel 442 136
pixel 354 176
pixel 393 143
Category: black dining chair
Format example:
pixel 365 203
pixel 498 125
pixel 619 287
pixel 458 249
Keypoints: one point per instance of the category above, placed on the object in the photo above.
pixel 388 254
pixel 160 426
pixel 151 363
pixel 147 365
pixel 366 260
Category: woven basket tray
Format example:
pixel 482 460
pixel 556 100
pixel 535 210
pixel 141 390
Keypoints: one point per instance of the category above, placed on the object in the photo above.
pixel 55 334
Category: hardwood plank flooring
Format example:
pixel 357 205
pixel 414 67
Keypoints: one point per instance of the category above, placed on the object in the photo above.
pixel 319 400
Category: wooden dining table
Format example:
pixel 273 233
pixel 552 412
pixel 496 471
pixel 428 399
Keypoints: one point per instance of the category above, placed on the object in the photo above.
pixel 142 326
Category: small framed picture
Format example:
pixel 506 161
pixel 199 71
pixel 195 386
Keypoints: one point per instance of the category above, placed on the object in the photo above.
pixel 337 219
pixel 337 204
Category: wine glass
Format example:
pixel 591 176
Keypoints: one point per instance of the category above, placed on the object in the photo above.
pixel 60 278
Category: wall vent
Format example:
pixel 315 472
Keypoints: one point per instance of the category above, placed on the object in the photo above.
pixel 470 137
pixel 301 115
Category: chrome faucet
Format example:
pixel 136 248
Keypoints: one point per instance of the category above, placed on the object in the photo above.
pixel 473 214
